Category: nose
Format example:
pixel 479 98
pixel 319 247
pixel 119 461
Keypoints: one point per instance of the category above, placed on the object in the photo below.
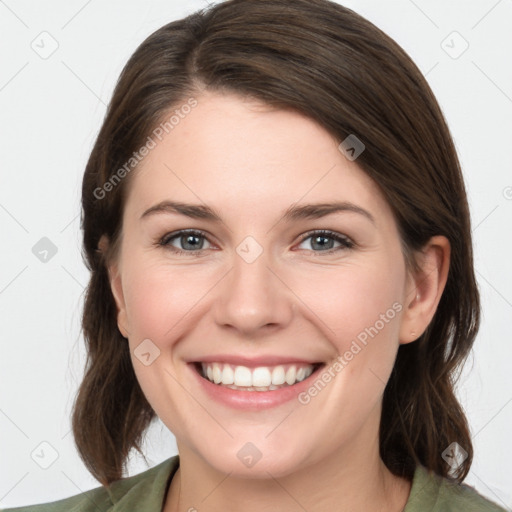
pixel 252 298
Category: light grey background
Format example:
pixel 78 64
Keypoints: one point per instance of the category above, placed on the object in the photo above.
pixel 51 111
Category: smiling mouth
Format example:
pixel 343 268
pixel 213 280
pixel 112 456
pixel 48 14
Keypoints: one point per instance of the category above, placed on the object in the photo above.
pixel 263 378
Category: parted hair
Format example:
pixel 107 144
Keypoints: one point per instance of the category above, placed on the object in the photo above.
pixel 327 62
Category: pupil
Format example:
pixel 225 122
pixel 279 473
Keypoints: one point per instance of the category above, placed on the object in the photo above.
pixel 189 238
pixel 322 238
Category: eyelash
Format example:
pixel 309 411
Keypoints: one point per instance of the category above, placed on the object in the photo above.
pixel 345 241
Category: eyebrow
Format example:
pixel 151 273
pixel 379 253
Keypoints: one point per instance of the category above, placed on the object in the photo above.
pixel 306 211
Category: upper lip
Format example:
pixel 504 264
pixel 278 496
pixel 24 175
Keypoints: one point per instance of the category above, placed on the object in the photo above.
pixel 252 362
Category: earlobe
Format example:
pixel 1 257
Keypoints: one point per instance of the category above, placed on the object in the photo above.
pixel 116 287
pixel 424 290
pixel 117 291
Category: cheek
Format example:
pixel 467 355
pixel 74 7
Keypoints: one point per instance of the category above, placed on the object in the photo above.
pixel 352 299
pixel 358 309
pixel 159 298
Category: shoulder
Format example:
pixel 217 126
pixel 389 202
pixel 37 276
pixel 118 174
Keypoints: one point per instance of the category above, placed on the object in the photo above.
pixel 432 493
pixel 144 490
pixel 97 500
pixel 463 497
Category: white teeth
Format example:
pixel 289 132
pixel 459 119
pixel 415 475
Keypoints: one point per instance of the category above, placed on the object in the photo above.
pixel 290 375
pixel 228 376
pixel 262 378
pixel 278 375
pixel 242 376
pixel 217 373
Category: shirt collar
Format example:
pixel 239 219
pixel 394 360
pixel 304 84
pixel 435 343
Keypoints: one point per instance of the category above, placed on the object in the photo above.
pixel 146 490
pixel 424 490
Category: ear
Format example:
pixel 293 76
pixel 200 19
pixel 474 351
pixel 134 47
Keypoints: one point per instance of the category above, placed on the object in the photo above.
pixel 117 288
pixel 423 290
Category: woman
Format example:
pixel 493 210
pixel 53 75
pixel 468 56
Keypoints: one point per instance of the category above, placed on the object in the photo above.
pixel 281 263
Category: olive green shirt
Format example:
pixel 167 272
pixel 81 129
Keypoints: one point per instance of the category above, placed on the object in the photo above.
pixel 147 491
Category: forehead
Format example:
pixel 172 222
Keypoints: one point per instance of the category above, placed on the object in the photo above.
pixel 240 155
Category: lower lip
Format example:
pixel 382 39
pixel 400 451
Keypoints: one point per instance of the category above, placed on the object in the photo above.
pixel 253 400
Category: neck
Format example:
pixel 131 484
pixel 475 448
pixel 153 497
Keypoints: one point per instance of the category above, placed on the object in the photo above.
pixel 355 480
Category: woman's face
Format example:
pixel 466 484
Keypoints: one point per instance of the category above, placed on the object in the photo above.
pixel 260 284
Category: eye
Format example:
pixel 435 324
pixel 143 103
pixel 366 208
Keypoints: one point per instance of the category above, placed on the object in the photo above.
pixel 191 241
pixel 320 238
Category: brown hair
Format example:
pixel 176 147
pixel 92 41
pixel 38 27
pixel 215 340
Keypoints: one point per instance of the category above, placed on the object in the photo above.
pixel 327 62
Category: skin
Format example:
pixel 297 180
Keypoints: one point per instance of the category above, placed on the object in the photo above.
pixel 250 163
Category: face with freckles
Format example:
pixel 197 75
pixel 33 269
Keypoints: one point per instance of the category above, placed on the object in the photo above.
pixel 302 293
